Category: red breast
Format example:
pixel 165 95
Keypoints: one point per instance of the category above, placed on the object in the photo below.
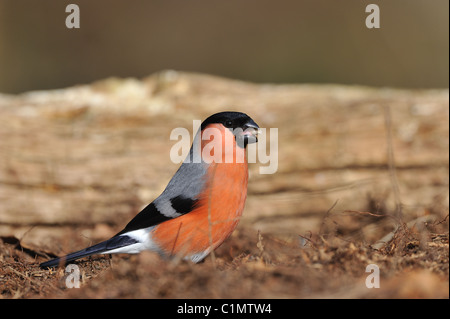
pixel 220 204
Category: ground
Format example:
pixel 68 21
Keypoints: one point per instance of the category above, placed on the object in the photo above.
pixel 361 179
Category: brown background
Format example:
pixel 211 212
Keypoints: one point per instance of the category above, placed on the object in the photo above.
pixel 79 163
pixel 287 41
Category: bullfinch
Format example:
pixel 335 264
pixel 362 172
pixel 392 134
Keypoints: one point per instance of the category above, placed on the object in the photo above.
pixel 202 204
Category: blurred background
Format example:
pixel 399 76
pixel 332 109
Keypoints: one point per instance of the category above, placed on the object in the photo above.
pixel 287 41
pixel 77 164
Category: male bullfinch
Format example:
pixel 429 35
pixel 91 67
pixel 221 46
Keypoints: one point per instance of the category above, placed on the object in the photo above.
pixel 201 205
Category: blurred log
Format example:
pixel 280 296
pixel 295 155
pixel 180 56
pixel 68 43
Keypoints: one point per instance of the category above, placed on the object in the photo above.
pixel 93 155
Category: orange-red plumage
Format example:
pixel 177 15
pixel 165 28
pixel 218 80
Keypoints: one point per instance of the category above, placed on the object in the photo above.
pixel 220 204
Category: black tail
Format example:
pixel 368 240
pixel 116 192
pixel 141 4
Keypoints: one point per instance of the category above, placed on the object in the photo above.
pixel 110 244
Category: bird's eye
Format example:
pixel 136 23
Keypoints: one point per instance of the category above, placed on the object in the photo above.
pixel 228 123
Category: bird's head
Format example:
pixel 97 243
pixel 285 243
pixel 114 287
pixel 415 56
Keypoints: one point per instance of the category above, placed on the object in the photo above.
pixel 240 124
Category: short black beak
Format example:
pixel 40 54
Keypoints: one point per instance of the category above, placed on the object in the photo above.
pixel 250 133
pixel 251 124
